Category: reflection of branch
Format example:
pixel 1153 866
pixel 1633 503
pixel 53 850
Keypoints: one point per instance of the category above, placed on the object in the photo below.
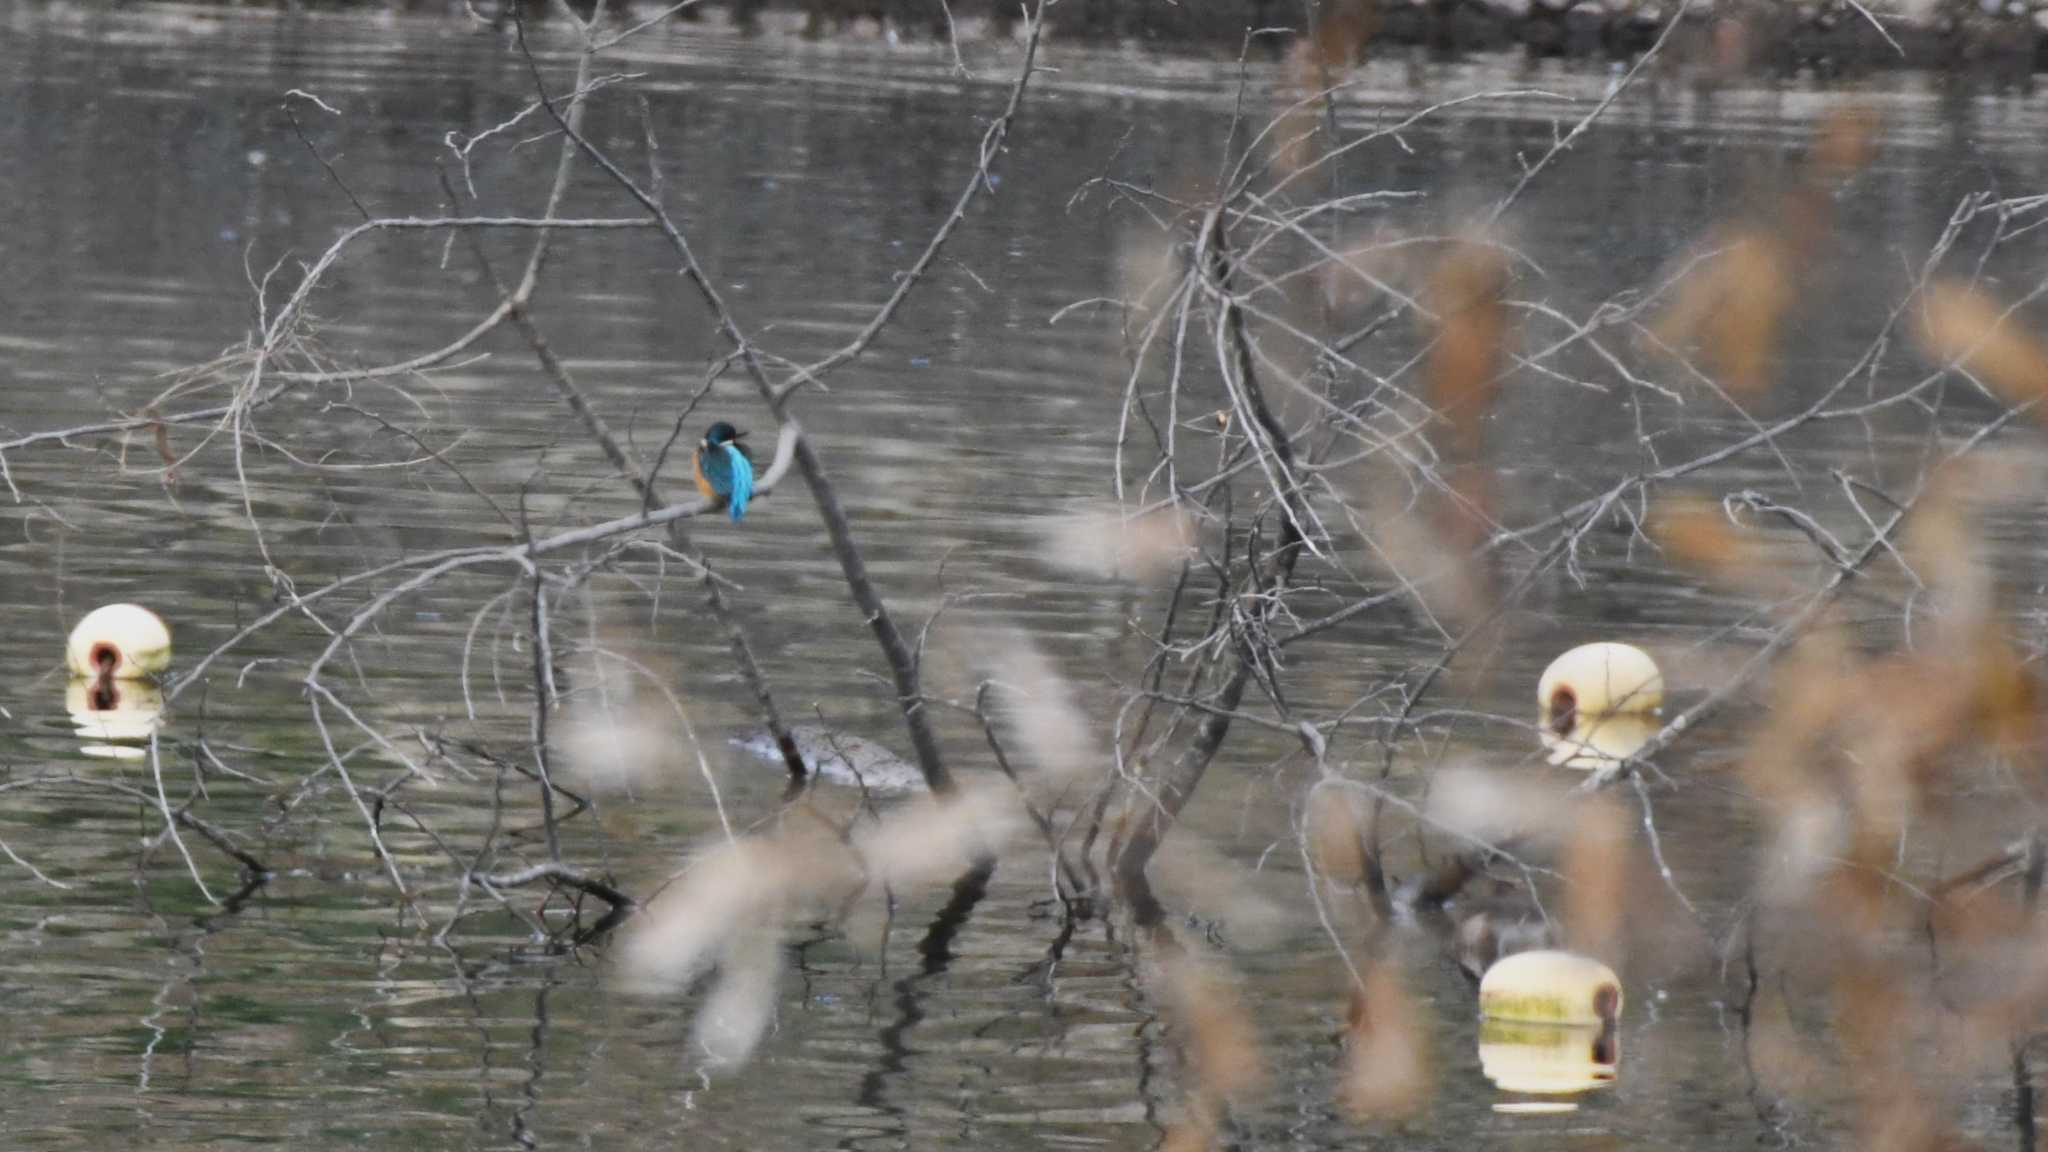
pixel 2023 1092
pixel 1076 886
pixel 1769 1110
pixel 935 949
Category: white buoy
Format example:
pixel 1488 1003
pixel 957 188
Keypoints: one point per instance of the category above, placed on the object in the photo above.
pixel 1597 704
pixel 120 642
pixel 1550 987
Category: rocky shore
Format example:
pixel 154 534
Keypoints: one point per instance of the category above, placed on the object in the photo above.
pixel 1999 41
pixel 1992 40
pixel 1996 38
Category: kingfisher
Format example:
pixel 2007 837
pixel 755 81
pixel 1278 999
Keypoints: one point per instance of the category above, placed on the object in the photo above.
pixel 724 470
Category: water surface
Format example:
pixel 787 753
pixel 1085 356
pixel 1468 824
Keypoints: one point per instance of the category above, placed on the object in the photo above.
pixel 149 172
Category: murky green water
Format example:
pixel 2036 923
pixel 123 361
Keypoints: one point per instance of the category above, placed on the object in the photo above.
pixel 149 171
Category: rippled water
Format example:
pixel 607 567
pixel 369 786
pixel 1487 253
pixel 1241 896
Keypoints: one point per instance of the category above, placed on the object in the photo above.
pixel 149 172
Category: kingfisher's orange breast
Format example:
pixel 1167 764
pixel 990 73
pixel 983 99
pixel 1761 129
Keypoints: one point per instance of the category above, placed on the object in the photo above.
pixel 697 472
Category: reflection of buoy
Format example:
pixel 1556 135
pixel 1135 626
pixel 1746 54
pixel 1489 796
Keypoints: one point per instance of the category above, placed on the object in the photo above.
pixel 1547 1059
pixel 115 718
pixel 1535 1107
pixel 1550 987
pixel 119 642
pixel 1598 703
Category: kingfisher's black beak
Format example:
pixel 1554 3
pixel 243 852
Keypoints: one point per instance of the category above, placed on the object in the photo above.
pixel 739 435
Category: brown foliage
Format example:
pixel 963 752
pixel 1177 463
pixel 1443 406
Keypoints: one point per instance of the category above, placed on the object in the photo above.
pixel 1596 866
pixel 1467 293
pixel 1696 534
pixel 1315 63
pixel 1218 1039
pixel 1843 144
pixel 1336 835
pixel 1734 307
pixel 1963 325
pixel 1345 27
pixel 1386 1072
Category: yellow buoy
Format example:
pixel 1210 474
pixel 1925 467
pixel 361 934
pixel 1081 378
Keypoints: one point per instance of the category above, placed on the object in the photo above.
pixel 1597 704
pixel 1550 987
pixel 119 642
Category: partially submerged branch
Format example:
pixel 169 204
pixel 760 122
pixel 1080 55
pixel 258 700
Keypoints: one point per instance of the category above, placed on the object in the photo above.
pixel 902 662
pixel 566 876
pixel 1178 782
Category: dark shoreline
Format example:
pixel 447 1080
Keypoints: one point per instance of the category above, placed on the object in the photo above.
pixel 1993 41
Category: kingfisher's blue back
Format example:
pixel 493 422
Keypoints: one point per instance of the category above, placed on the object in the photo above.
pixel 726 471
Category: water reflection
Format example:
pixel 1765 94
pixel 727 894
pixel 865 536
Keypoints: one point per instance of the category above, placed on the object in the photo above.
pixel 128 219
pixel 935 952
pixel 1525 1059
pixel 1602 741
pixel 114 719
